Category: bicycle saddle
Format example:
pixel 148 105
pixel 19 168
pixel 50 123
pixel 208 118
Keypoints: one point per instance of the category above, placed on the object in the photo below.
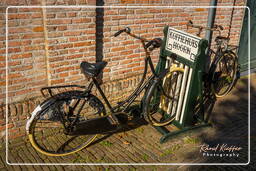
pixel 92 69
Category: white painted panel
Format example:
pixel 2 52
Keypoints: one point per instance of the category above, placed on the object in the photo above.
pixel 186 94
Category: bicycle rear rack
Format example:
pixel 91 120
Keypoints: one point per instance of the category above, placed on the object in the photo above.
pixel 53 90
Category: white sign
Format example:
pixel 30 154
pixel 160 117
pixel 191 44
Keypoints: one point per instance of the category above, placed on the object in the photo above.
pixel 182 44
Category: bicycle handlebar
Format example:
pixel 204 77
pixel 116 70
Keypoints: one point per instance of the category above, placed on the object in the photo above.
pixel 156 43
pixel 216 27
pixel 127 30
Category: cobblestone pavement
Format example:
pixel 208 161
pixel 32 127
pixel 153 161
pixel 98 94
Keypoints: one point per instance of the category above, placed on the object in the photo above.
pixel 141 143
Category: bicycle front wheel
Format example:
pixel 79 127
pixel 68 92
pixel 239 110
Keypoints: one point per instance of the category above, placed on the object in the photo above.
pixel 224 72
pixel 50 131
pixel 162 97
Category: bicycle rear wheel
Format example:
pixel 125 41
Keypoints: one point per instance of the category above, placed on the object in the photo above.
pixel 162 96
pixel 224 74
pixel 50 132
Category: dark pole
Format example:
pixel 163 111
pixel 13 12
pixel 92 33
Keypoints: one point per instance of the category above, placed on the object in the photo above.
pixel 231 19
pixel 99 30
pixel 208 33
pixel 99 22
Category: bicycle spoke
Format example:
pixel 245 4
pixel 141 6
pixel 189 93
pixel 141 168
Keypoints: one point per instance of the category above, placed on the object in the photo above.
pixel 163 98
pixel 224 74
pixel 55 137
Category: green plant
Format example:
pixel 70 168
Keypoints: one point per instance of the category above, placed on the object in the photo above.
pixel 171 150
pixel 191 140
pixel 140 130
pixel 106 143
pixel 80 159
pixel 145 157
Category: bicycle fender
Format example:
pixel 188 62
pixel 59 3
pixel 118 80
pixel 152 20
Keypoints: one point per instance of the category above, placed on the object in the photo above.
pixel 37 110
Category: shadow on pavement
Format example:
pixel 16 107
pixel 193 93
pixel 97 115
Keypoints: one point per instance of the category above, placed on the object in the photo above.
pixel 230 120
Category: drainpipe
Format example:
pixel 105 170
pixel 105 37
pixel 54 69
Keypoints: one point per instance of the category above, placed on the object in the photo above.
pixel 208 33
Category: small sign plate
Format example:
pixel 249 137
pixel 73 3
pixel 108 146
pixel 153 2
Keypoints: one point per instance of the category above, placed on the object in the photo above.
pixel 183 44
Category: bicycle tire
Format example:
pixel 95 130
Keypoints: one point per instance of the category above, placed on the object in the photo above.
pixel 224 75
pixel 156 101
pixel 51 143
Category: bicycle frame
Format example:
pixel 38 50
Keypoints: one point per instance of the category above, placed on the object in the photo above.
pixel 216 53
pixel 140 87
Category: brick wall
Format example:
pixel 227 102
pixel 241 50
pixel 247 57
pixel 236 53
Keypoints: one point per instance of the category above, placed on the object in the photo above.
pixel 45 47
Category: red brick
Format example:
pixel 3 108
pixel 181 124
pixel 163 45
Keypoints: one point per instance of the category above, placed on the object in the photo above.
pixel 18 16
pixel 17 135
pixel 19 30
pixel 2 58
pixel 133 56
pixel 21 68
pixel 65 74
pixel 35 47
pixel 14 63
pixel 73 39
pixel 21 56
pixel 119 17
pixel 38 29
pixel 74 72
pixel 126 52
pixel 82 44
pixel 127 1
pixel 14 75
pixel 50 15
pixel 57 81
pixel 11 125
pixel 92 31
pixel 38 41
pixel 73 33
pixel 64 69
pixel 30 10
pixel 61 15
pixel 19 43
pixel 2 83
pixel 71 14
pixel 33 35
pixel 75 56
pixel 111 12
pixel 62 28
pixel 133 65
pixel 117 49
pixel 36 15
pixel 59 21
pixel 2 65
pixel 200 9
pixel 91 2
pixel 138 69
pixel 61 46
pixel 126 61
pixel 23 92
pixel 81 20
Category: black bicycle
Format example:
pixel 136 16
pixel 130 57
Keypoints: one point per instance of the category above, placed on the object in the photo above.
pixel 224 68
pixel 69 121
